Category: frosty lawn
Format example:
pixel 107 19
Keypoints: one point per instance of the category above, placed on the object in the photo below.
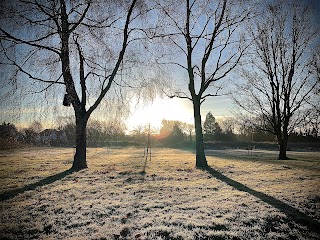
pixel 247 197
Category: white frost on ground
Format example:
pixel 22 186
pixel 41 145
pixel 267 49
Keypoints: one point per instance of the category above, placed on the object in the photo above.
pixel 113 199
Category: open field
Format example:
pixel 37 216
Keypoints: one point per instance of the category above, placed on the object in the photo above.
pixel 241 197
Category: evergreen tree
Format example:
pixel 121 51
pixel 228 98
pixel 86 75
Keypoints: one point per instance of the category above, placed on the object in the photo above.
pixel 211 128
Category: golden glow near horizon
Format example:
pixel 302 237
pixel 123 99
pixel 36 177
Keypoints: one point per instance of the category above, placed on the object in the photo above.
pixel 160 108
pixel 141 114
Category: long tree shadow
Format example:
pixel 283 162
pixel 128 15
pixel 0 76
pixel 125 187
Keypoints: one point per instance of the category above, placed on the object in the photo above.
pixel 51 179
pixel 293 213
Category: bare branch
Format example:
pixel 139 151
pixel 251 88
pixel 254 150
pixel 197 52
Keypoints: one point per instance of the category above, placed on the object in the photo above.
pixel 30 43
pixel 19 67
pixel 75 25
pixel 119 60
pixel 179 96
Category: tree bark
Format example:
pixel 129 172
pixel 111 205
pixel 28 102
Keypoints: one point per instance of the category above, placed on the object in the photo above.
pixel 79 161
pixel 201 161
pixel 283 143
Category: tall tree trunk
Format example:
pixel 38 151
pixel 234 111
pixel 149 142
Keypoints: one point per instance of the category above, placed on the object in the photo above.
pixel 80 161
pixel 282 142
pixel 201 161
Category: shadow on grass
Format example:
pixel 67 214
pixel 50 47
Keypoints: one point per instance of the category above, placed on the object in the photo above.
pixel 266 158
pixel 291 212
pixel 51 179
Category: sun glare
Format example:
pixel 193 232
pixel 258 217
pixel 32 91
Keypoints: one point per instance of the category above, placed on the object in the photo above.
pixel 154 112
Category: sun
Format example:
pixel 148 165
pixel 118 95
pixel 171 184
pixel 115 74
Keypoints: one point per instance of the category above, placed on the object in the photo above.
pixel 160 108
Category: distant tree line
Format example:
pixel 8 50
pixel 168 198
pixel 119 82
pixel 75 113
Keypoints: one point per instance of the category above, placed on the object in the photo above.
pixel 173 133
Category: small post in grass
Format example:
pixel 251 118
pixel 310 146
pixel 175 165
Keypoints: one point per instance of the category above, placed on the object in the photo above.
pixel 147 150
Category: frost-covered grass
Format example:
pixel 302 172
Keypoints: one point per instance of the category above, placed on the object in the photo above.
pixel 115 199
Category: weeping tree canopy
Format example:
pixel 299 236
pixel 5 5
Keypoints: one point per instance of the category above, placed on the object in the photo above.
pixel 75 53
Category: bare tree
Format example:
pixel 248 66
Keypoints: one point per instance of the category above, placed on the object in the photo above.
pixel 314 101
pixel 208 46
pixel 76 46
pixel 279 80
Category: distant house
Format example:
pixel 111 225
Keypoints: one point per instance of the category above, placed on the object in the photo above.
pixel 50 136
